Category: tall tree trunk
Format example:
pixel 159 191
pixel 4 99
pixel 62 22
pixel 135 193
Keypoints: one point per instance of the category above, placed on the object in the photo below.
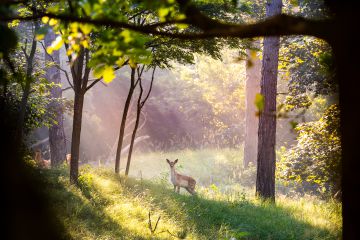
pixel 123 121
pixel 346 58
pixel 140 105
pixel 56 131
pixel 133 140
pixel 266 160
pixel 75 139
pixel 253 76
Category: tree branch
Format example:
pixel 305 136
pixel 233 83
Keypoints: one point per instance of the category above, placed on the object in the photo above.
pixel 150 88
pixel 280 25
pixel 95 81
pixel 58 67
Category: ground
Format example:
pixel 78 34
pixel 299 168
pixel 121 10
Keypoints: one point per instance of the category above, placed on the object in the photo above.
pixel 109 206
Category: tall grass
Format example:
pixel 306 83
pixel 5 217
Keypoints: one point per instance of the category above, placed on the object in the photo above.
pixel 107 206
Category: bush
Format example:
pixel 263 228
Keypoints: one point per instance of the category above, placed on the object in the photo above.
pixel 315 160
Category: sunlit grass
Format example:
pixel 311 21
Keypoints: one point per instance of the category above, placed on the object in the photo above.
pixel 207 166
pixel 107 206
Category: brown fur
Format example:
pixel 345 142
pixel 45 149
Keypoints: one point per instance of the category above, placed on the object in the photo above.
pixel 179 180
pixel 40 161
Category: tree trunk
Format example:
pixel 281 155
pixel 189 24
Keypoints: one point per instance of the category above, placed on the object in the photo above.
pixel 346 58
pixel 133 139
pixel 265 179
pixel 56 131
pixel 123 121
pixel 253 76
pixel 75 139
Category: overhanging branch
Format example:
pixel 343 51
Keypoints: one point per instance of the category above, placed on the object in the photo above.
pixel 283 25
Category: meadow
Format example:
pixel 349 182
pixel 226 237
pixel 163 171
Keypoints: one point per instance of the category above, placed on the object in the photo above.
pixel 144 206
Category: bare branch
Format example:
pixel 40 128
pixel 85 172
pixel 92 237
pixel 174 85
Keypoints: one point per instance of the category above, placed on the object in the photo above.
pixel 57 66
pixel 150 88
pixel 67 88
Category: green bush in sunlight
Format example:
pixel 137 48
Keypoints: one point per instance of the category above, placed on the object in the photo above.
pixel 314 161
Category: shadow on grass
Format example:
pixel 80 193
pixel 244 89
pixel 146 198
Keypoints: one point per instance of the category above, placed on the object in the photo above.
pixel 210 219
pixel 83 218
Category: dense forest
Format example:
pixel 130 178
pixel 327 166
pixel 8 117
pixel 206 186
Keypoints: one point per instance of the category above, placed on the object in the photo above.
pixel 178 119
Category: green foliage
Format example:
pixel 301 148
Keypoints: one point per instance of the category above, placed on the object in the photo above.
pixel 315 160
pixel 259 102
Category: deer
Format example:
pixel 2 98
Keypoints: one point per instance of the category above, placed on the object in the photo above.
pixel 40 161
pixel 68 158
pixel 179 180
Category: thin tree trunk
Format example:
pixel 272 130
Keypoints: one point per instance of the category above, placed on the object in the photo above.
pixel 265 179
pixel 133 140
pixel 56 131
pixel 253 77
pixel 140 105
pixel 75 139
pixel 123 121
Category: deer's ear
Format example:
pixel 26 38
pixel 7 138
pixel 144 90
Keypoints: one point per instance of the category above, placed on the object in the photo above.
pixel 176 161
pixel 168 161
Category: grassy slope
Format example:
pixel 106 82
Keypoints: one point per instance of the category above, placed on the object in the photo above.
pixel 107 207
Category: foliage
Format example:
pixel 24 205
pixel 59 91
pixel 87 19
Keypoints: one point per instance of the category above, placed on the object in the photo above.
pixel 204 102
pixel 315 160
pixel 12 85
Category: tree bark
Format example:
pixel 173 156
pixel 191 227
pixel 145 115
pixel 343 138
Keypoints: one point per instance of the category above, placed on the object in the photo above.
pixel 346 53
pixel 75 139
pixel 133 140
pixel 123 121
pixel 56 131
pixel 253 76
pixel 266 160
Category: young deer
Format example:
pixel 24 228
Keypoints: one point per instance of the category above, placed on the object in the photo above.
pixel 179 180
pixel 40 161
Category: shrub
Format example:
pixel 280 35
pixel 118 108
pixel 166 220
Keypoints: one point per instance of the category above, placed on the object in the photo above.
pixel 315 160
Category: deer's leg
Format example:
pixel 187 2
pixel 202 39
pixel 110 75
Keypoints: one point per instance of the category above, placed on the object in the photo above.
pixel 178 189
pixel 174 188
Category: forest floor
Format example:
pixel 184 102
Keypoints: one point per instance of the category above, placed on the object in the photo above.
pixel 108 206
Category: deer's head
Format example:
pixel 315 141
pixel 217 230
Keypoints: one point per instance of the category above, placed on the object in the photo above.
pixel 172 164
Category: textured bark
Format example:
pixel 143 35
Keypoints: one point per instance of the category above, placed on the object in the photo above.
pixel 80 84
pixel 253 76
pixel 265 179
pixel 56 132
pixel 123 121
pixel 75 139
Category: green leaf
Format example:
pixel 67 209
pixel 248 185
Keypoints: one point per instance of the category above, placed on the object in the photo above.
pixel 126 34
pixel 40 33
pixel 259 102
pixel 108 74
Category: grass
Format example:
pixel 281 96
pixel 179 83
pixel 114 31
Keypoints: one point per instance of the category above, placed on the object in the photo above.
pixel 207 166
pixel 107 206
